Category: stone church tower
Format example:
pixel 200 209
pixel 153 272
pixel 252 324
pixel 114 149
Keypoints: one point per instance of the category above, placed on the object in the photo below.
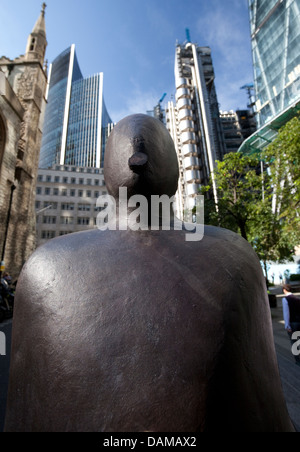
pixel 23 84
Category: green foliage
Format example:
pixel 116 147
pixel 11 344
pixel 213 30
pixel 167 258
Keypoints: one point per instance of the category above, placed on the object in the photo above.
pixel 283 160
pixel 239 190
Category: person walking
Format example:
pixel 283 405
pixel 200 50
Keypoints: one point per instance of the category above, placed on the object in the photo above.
pixel 291 314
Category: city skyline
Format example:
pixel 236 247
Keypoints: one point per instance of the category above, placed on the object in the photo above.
pixel 133 44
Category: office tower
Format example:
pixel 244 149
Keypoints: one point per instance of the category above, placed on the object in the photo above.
pixel 23 83
pixel 275 36
pixel 77 123
pixel 194 122
pixel 237 126
pixel 232 131
pixel 66 199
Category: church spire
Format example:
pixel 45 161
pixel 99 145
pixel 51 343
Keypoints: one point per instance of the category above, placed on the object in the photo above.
pixel 37 42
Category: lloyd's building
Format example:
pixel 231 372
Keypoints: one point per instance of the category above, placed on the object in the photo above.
pixel 77 123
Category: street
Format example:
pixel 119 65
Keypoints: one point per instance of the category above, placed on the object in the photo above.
pixel 290 373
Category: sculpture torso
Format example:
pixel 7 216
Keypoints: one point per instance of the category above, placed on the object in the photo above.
pixel 143 331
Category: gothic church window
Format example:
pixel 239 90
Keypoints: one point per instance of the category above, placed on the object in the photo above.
pixel 32 44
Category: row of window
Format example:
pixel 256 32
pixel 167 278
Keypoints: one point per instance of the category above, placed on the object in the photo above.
pixel 47 235
pixel 66 206
pixel 85 221
pixel 64 192
pixel 71 180
pixel 80 221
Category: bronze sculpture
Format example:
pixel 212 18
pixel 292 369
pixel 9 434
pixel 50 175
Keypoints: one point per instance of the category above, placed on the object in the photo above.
pixel 134 331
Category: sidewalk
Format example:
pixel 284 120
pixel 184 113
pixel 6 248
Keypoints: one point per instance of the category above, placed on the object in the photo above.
pixel 289 372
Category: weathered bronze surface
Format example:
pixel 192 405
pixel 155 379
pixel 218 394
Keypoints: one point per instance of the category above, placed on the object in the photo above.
pixel 123 331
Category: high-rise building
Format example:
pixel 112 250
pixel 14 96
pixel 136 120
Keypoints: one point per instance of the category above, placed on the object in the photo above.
pixel 77 123
pixel 275 29
pixel 23 83
pixel 232 131
pixel 66 198
pixel 275 36
pixel 194 122
pixel 237 127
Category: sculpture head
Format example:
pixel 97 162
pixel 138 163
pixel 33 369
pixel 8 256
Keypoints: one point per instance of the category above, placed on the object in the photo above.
pixel 141 156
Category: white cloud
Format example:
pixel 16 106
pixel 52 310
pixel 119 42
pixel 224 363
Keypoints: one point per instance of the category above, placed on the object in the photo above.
pixel 222 29
pixel 138 102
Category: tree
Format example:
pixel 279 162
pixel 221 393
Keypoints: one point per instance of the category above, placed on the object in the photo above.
pixel 283 160
pixel 260 201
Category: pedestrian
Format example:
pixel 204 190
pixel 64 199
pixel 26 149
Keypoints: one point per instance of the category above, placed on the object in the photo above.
pixel 280 277
pixel 291 314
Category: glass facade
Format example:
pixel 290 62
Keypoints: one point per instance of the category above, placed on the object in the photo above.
pixel 76 120
pixel 275 33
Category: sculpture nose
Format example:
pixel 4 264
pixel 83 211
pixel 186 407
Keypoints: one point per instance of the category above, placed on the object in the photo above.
pixel 138 161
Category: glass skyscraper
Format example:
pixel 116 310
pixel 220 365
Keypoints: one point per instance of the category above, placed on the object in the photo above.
pixel 275 34
pixel 77 123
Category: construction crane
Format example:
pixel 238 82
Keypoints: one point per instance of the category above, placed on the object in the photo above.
pixel 158 111
pixel 162 98
pixel 249 87
pixel 188 35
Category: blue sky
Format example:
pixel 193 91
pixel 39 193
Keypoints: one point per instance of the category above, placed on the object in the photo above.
pixel 133 43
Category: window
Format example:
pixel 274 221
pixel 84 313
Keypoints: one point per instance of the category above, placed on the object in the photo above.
pixel 48 234
pixel 64 192
pixel 66 220
pixel 65 180
pixel 84 207
pixel 55 191
pixel 32 44
pixel 40 178
pixel 49 220
pixel 67 206
pixel 56 179
pixel 83 221
pixel 38 190
pixel 47 191
pixel 81 181
pixel 48 178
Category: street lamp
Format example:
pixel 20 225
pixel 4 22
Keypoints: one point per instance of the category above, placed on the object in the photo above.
pixel 42 210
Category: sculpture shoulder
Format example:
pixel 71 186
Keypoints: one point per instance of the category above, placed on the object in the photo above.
pixel 94 246
pixel 58 257
pixel 220 240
